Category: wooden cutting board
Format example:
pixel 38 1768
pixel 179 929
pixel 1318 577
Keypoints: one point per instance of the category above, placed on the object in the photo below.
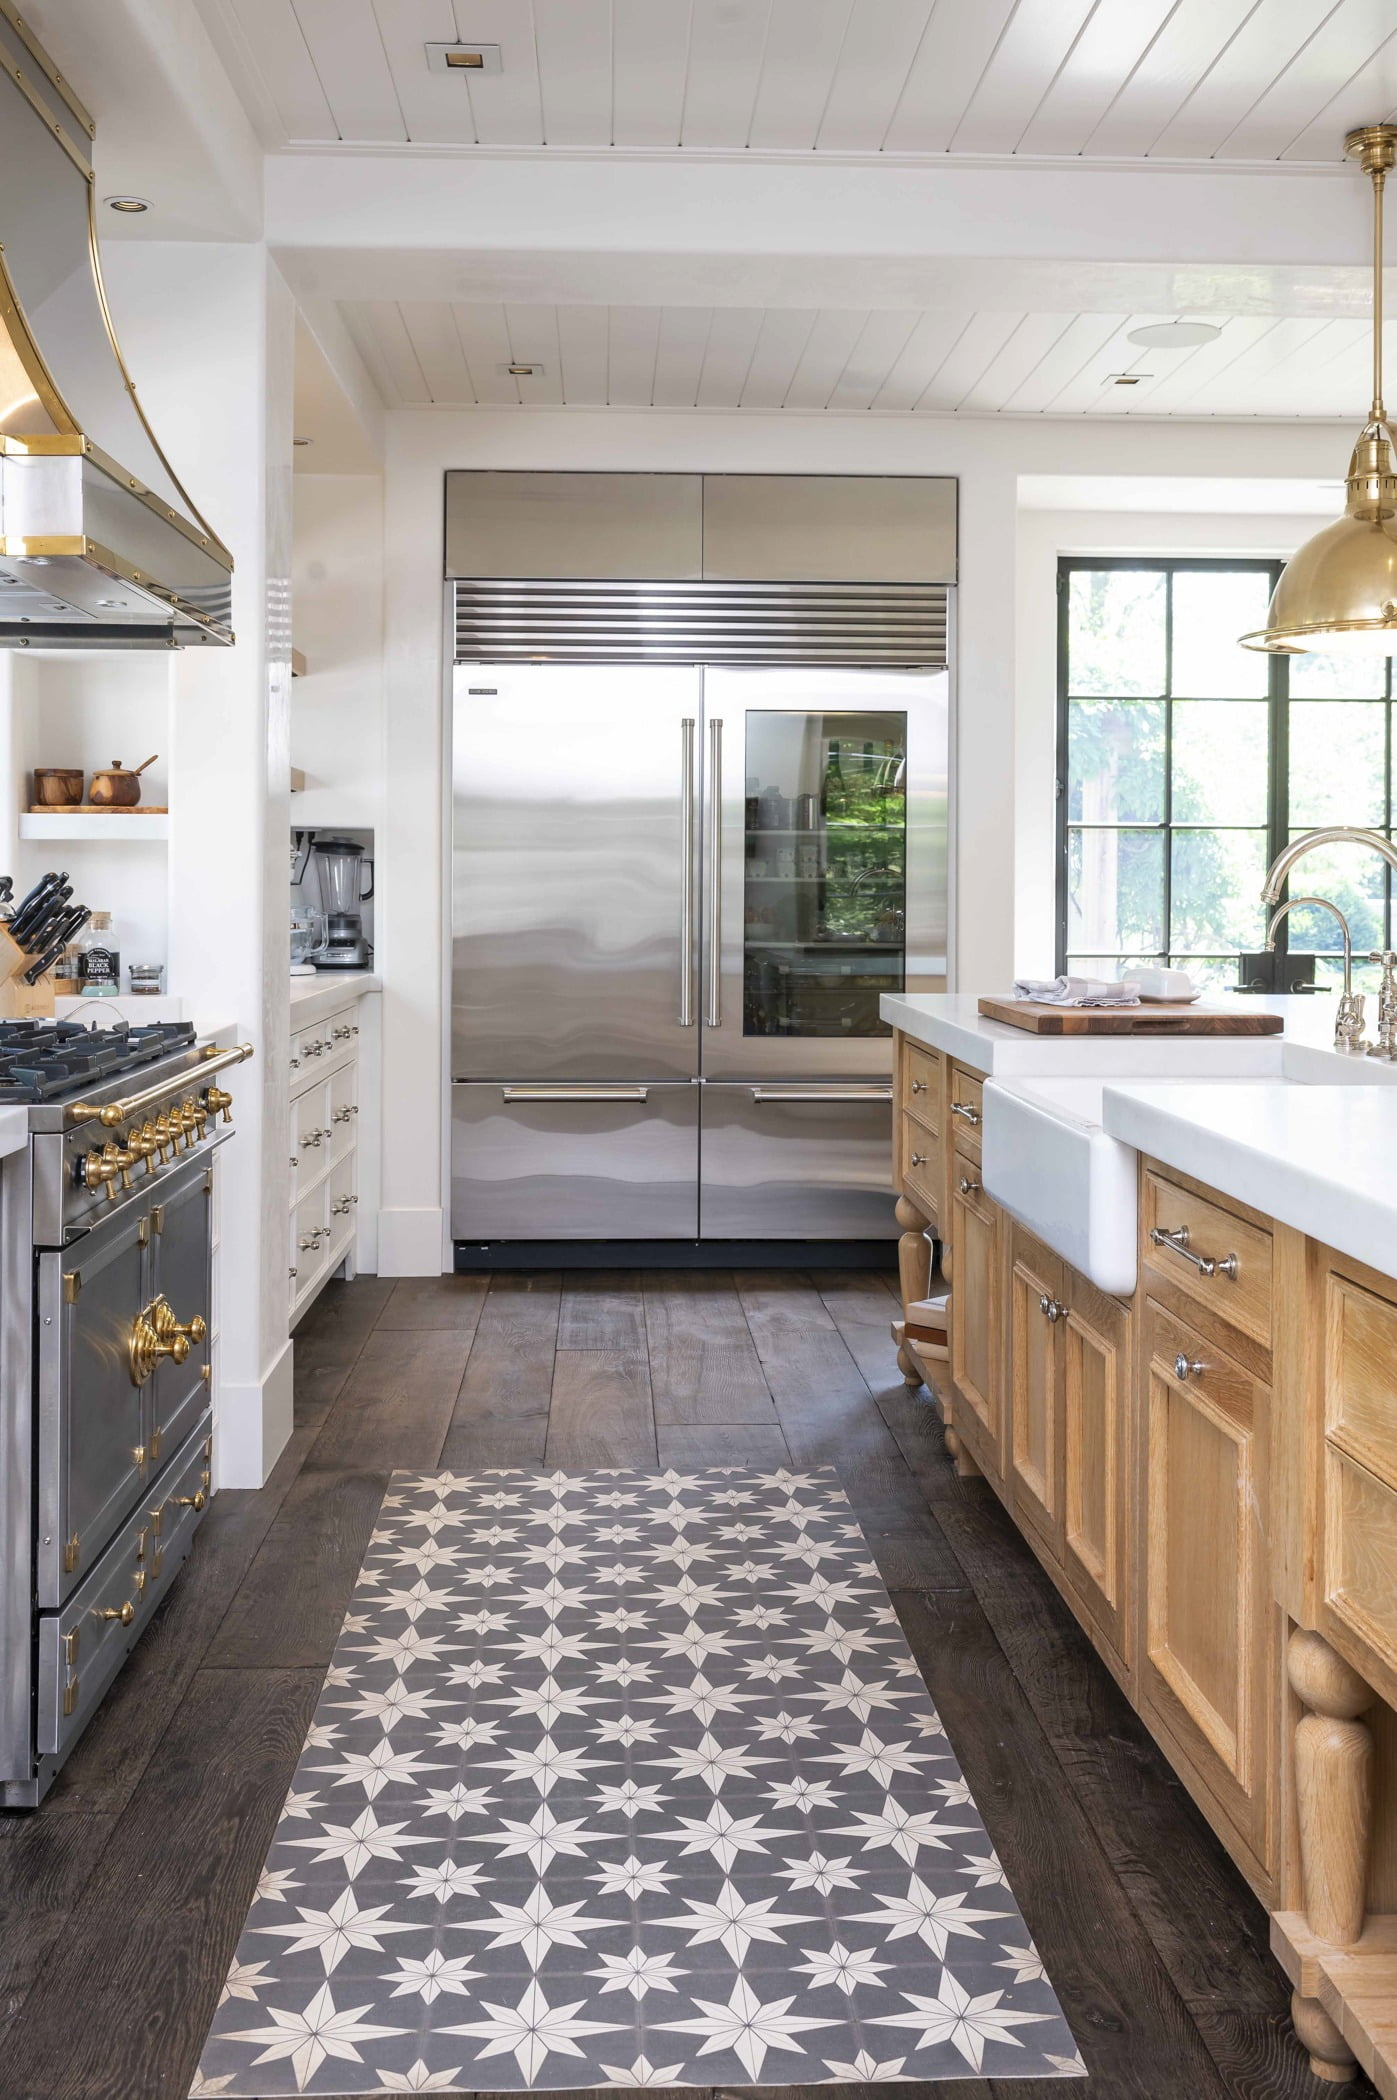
pixel 1145 1019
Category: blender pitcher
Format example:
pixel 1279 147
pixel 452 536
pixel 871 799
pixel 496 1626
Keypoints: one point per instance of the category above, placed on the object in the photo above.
pixel 344 868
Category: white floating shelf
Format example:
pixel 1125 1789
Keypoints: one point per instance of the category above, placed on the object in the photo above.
pixel 83 824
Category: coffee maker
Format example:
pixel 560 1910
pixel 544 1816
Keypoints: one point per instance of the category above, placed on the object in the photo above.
pixel 343 868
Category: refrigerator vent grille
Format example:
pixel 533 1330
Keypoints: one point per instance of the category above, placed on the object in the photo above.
pixel 701 623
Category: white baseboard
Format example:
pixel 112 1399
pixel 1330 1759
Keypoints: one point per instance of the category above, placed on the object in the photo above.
pixel 253 1424
pixel 409 1242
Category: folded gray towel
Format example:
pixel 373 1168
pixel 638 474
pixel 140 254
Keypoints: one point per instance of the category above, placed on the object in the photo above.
pixel 1075 991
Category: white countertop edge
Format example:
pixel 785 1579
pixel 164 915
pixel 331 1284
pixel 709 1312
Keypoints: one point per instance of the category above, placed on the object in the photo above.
pixel 14 1130
pixel 1316 1158
pixel 314 997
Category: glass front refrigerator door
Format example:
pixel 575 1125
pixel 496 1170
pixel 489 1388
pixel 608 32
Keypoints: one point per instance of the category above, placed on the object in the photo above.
pixel 817 818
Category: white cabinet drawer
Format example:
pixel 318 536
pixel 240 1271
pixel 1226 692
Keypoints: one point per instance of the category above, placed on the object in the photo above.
pixel 311 1134
pixel 344 1110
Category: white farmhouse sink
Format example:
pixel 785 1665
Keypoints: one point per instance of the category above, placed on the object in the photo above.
pixel 1049 1163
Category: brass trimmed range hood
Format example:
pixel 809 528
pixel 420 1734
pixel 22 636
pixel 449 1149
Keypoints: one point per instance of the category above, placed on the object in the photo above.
pixel 100 547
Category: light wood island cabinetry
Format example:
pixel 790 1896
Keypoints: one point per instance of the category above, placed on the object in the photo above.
pixel 1208 1473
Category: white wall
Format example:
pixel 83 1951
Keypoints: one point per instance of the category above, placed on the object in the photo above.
pixel 208 331
pixel 1042 537
pixel 987 456
pixel 337 624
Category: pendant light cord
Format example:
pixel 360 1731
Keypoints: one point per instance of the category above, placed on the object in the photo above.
pixel 1379 185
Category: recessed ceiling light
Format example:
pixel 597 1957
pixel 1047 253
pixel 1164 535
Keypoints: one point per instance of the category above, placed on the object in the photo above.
pixel 520 370
pixel 464 58
pixel 1174 335
pixel 128 204
pixel 1126 378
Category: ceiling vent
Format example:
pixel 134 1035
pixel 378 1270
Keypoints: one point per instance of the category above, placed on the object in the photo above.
pixel 100 547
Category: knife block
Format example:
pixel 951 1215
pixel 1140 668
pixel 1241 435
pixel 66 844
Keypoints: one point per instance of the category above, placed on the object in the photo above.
pixel 20 1001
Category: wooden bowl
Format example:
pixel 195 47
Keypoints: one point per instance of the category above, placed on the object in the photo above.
pixel 57 787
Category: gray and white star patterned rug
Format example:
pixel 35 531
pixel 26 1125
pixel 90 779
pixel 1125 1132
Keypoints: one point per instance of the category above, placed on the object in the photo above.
pixel 627 1779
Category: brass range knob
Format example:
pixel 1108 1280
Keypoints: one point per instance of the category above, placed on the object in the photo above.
pixel 156 1333
pixel 218 1100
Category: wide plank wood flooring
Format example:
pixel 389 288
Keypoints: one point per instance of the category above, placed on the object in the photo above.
pixel 122 1898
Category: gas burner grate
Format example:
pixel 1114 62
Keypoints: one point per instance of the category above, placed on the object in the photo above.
pixel 50 1060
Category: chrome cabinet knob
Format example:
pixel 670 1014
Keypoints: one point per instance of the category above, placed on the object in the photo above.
pixel 1186 1368
pixel 968 1187
pixel 918 1159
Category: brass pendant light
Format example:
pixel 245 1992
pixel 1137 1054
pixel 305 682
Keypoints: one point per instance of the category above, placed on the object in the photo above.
pixel 1338 593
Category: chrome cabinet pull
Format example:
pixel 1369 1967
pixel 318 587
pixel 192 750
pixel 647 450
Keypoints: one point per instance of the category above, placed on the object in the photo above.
pixel 686 872
pixel 1186 1368
pixel 968 1187
pixel 1203 1263
pixel 919 1086
pixel 918 1159
pixel 971 1115
pixel 1051 1309
pixel 715 872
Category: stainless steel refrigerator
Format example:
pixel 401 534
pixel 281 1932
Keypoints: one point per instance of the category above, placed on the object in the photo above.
pixel 677 896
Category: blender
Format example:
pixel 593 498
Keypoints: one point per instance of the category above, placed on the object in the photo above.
pixel 343 868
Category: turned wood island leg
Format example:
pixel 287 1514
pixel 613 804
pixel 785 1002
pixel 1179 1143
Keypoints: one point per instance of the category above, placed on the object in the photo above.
pixel 914 1276
pixel 1334 1808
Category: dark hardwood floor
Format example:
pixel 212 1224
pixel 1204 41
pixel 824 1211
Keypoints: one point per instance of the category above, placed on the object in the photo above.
pixel 122 1898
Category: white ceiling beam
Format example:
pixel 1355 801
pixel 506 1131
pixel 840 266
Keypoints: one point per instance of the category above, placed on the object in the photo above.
pixel 575 229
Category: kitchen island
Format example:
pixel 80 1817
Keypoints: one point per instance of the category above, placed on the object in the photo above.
pixel 1173 1349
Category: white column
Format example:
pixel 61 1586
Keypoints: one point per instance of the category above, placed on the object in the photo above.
pixel 208 331
pixel 411 949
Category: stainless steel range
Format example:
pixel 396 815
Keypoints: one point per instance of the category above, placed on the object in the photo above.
pixel 105 1385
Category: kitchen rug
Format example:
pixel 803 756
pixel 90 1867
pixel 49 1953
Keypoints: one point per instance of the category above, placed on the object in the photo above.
pixel 626 1779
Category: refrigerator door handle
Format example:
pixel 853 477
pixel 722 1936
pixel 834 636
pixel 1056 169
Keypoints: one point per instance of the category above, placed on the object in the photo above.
pixel 574 1093
pixel 687 930
pixel 822 1093
pixel 715 872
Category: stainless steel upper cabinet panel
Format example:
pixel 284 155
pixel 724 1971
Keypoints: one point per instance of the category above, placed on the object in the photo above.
pixel 631 527
pixel 574 931
pixel 827 528
pixel 532 1162
pixel 796 1162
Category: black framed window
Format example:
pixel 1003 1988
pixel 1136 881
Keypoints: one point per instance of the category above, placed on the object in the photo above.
pixel 1185 762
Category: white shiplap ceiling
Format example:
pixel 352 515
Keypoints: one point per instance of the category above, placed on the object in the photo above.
pixel 425 354
pixel 1179 80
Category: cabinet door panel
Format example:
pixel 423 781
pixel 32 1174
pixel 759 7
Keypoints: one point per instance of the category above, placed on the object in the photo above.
pixel 1034 1301
pixel 1096 1445
pixel 975 1301
pixel 1210 1633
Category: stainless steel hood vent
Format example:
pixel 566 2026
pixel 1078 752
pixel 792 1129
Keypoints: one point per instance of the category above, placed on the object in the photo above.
pixel 100 547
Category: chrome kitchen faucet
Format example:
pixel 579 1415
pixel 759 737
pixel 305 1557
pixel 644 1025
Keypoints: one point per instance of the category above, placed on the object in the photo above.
pixel 1348 1024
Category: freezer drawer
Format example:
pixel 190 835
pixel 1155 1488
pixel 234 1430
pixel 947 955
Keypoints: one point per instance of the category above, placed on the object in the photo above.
pixel 796 1162
pixel 544 1161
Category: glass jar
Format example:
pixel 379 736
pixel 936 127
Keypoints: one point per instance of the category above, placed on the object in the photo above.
pixel 145 979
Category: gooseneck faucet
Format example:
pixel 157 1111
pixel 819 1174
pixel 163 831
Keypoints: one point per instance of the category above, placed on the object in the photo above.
pixel 1348 1025
pixel 1348 1022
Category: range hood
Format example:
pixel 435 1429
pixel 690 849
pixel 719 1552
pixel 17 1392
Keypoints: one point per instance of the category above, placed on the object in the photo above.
pixel 100 547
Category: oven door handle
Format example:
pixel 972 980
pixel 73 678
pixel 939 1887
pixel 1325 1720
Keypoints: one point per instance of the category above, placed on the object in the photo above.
pixel 111 1113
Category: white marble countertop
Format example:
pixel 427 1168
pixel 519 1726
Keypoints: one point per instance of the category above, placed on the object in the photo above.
pixel 14 1130
pixel 314 997
pixel 952 1022
pixel 1315 1157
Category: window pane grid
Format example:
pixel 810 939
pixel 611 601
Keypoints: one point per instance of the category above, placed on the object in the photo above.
pixel 1186 763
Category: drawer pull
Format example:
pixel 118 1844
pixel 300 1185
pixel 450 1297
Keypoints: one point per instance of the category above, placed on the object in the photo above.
pixel 968 1187
pixel 971 1115
pixel 918 1159
pixel 196 1501
pixel 919 1086
pixel 1205 1265
pixel 1051 1309
pixel 1186 1368
pixel 125 1612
